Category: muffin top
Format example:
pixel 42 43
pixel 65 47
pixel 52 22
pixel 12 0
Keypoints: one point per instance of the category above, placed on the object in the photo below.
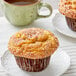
pixel 68 8
pixel 33 43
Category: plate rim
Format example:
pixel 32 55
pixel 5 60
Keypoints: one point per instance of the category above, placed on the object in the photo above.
pixel 59 29
pixel 7 72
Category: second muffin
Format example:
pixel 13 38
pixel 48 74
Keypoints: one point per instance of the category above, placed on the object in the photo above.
pixel 33 48
pixel 68 8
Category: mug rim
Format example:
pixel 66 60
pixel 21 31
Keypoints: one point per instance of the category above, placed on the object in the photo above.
pixel 24 4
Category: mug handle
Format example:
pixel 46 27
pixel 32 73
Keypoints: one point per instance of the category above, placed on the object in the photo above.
pixel 47 6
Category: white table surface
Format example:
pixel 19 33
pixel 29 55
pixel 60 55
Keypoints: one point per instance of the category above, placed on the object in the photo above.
pixel 66 43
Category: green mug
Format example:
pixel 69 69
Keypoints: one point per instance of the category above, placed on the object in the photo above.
pixel 24 14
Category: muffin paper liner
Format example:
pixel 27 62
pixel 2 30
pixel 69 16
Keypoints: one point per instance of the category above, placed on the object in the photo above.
pixel 32 65
pixel 71 23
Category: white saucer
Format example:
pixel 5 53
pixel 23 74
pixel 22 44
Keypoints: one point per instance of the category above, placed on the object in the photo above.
pixel 60 24
pixel 59 63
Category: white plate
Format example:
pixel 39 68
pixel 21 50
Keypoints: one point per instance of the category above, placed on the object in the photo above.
pixel 60 24
pixel 59 63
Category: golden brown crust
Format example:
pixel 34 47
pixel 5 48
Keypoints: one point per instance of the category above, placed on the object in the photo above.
pixel 68 8
pixel 33 43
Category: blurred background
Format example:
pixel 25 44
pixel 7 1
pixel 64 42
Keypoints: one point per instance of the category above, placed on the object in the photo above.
pixel 54 3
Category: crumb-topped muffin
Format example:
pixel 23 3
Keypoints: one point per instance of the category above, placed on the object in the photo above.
pixel 32 48
pixel 68 8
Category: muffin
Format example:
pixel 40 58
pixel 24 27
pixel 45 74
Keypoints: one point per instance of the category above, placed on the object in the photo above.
pixel 32 48
pixel 68 8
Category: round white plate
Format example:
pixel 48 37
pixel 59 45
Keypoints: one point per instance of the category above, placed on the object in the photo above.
pixel 60 24
pixel 59 63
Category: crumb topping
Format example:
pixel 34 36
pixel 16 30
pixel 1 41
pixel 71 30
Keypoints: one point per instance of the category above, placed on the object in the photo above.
pixel 33 43
pixel 68 8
